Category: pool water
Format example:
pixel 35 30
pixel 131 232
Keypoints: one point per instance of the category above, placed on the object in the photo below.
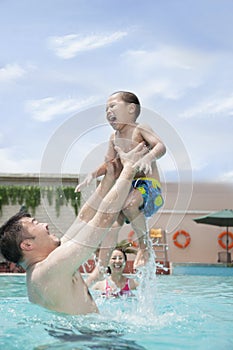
pixel 202 269
pixel 179 312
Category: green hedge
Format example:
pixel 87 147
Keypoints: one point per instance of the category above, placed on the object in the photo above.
pixel 30 196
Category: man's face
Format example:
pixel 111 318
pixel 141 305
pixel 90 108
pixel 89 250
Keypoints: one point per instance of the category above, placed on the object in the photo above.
pixel 39 233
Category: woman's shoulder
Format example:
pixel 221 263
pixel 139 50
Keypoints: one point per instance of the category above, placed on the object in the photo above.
pixel 133 284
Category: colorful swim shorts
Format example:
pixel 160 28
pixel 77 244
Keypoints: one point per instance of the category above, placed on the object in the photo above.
pixel 151 192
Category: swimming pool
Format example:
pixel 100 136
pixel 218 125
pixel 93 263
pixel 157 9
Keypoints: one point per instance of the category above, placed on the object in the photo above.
pixel 180 312
pixel 202 269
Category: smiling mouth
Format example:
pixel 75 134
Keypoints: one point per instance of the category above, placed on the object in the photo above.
pixel 117 266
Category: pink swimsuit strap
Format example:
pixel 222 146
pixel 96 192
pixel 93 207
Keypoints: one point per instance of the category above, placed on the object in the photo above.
pixel 126 287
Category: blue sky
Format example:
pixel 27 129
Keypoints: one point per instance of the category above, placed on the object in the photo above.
pixel 61 58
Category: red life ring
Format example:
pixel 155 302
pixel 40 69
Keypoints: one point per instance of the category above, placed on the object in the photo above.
pixel 183 233
pixel 131 241
pixel 221 243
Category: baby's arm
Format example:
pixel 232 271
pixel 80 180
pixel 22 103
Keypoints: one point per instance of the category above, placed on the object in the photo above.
pixel 101 170
pixel 156 148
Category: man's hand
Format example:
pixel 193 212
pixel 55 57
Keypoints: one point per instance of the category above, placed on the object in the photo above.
pixel 133 156
pixel 114 167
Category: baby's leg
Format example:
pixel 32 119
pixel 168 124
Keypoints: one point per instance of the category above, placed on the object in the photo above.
pixel 109 242
pixel 105 251
pixel 139 225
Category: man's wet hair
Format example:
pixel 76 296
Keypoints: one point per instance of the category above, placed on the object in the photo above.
pixel 11 235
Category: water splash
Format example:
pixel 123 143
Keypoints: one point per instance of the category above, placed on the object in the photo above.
pixel 147 284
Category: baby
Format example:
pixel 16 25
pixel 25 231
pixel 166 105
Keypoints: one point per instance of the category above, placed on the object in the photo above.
pixel 144 200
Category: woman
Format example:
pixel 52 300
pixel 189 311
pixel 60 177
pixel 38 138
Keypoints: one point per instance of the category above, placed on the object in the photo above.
pixel 116 284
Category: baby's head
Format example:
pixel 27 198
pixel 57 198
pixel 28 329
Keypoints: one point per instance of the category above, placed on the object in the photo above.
pixel 130 97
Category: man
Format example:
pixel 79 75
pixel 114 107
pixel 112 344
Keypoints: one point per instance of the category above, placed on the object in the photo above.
pixel 51 265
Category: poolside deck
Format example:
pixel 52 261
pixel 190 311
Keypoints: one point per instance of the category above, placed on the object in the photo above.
pixel 162 268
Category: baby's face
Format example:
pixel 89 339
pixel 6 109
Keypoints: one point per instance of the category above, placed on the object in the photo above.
pixel 118 112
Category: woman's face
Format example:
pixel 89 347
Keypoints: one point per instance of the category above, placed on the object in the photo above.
pixel 117 261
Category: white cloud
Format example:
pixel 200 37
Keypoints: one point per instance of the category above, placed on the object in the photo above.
pixel 48 108
pixel 68 46
pixel 169 71
pixel 212 106
pixel 169 57
pixel 11 72
pixel 1 137
pixel 227 177
pixel 12 164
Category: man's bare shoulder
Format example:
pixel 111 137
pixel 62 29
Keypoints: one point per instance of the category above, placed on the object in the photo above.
pixel 59 293
pixel 53 279
pixel 49 269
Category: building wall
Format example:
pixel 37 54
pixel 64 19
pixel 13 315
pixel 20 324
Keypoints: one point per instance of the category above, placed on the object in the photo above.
pixel 45 212
pixel 205 198
pixel 183 203
pixel 204 247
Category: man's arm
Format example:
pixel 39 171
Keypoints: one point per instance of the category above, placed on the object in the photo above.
pixel 92 204
pixel 83 238
pixel 107 246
